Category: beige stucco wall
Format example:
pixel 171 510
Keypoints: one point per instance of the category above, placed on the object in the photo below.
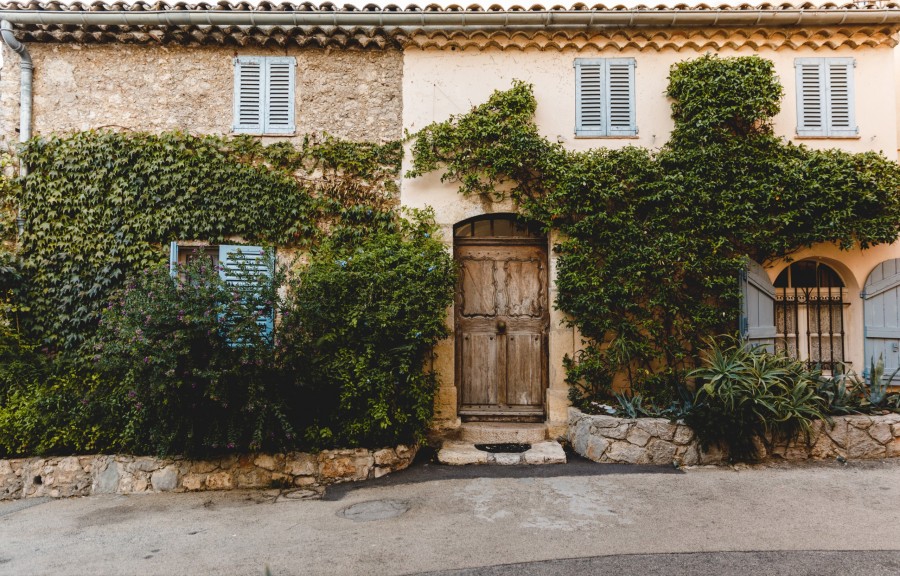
pixel 440 83
pixel 350 94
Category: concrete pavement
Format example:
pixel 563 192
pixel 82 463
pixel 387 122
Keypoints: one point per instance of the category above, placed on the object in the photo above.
pixel 577 518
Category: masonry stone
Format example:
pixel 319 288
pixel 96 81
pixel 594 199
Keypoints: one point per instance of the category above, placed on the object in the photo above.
pixel 165 479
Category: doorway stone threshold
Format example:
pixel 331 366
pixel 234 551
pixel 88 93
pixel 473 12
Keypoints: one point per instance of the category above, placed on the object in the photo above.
pixel 460 453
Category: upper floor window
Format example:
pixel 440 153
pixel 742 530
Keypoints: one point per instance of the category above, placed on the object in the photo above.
pixel 825 97
pixel 264 94
pixel 604 93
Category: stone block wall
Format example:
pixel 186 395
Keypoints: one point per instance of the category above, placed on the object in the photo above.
pixel 106 474
pixel 353 94
pixel 660 441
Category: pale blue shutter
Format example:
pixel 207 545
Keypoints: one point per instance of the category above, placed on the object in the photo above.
pixel 249 94
pixel 243 267
pixel 881 302
pixel 811 108
pixel 839 97
pixel 590 77
pixel 173 259
pixel 757 307
pixel 825 97
pixel 620 100
pixel 278 113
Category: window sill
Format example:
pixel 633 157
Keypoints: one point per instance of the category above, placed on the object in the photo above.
pixel 798 137
pixel 266 134
pixel 586 137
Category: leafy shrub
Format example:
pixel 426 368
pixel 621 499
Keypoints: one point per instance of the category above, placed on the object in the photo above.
pixel 745 396
pixel 358 328
pixel 198 369
pixel 51 405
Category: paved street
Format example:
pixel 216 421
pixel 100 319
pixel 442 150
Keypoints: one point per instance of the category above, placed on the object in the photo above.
pixel 578 518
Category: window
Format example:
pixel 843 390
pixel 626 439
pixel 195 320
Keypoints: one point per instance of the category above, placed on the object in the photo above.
pixel 809 314
pixel 825 105
pixel 604 97
pixel 241 267
pixel 264 95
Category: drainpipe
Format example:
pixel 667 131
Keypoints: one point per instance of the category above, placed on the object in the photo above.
pixel 25 93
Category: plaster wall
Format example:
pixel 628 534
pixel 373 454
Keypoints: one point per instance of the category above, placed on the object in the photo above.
pixel 440 83
pixel 350 94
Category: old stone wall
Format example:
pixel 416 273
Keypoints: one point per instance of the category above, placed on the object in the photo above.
pixel 351 94
pixel 660 441
pixel 105 474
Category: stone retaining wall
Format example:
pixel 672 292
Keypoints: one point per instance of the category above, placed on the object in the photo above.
pixel 102 474
pixel 660 441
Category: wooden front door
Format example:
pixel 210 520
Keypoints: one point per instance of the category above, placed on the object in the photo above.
pixel 501 327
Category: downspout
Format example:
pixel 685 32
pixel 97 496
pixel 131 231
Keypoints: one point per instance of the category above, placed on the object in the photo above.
pixel 25 98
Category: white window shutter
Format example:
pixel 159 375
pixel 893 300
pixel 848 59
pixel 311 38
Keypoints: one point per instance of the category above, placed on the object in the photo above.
pixel 249 94
pixel 590 75
pixel 278 117
pixel 839 97
pixel 811 106
pixel 619 85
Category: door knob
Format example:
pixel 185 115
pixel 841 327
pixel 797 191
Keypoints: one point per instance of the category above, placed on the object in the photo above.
pixel 501 326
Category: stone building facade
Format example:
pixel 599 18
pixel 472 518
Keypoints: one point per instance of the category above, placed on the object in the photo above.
pixel 371 74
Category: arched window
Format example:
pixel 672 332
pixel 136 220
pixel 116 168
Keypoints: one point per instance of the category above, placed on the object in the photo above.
pixel 809 314
pixel 496 226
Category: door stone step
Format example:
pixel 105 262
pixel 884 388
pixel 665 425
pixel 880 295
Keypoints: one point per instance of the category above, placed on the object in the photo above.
pixel 462 453
pixel 502 433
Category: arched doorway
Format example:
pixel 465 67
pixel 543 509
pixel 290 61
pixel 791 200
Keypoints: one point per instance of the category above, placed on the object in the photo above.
pixel 501 319
pixel 809 314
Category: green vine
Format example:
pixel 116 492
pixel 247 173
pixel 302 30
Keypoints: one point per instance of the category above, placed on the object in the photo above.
pixel 652 241
pixel 102 204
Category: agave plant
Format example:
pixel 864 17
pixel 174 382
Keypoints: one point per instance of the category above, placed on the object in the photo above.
pixel 747 395
pixel 878 385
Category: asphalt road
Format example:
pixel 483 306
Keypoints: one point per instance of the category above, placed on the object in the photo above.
pixel 579 518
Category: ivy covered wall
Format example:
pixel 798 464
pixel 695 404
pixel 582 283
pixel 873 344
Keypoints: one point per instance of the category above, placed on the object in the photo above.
pixel 652 240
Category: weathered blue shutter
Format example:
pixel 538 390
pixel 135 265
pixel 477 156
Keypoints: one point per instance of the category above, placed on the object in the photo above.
pixel 881 303
pixel 839 97
pixel 249 94
pixel 243 267
pixel 173 259
pixel 619 90
pixel 757 307
pixel 278 113
pixel 590 77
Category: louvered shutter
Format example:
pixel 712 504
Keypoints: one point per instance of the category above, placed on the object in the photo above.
pixel 620 97
pixel 825 97
pixel 249 94
pixel 278 112
pixel 881 313
pixel 604 97
pixel 757 307
pixel 173 259
pixel 839 97
pixel 243 268
pixel 590 76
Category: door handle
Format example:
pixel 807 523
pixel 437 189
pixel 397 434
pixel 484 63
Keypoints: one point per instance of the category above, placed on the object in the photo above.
pixel 501 326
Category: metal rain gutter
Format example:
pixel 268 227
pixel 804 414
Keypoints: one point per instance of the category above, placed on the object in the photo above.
pixel 465 21
pixel 25 98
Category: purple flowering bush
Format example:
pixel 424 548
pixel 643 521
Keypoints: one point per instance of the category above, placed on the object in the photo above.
pixel 197 366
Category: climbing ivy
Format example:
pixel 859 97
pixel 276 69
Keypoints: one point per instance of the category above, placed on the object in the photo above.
pixel 651 242
pixel 100 204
